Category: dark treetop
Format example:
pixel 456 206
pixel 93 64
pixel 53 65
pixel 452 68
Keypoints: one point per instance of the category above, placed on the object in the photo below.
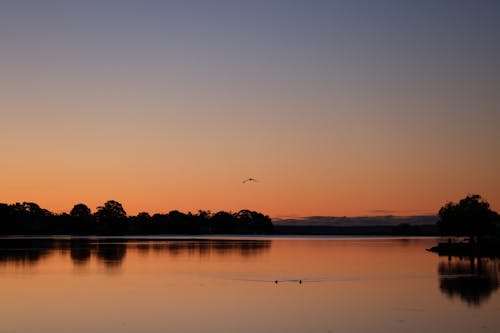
pixel 28 218
pixel 471 217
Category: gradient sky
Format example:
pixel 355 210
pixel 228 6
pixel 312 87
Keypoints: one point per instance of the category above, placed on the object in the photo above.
pixel 336 107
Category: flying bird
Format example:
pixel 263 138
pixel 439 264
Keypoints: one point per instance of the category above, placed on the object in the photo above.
pixel 250 180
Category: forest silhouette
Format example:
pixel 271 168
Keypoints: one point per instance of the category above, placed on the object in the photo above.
pixel 28 218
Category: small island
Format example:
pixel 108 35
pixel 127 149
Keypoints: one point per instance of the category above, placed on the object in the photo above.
pixel 473 220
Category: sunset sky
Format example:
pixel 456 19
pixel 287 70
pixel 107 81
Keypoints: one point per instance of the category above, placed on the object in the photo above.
pixel 336 107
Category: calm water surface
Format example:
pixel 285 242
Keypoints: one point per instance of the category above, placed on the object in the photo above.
pixel 228 285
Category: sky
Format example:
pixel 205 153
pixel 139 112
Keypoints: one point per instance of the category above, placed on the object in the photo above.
pixel 345 108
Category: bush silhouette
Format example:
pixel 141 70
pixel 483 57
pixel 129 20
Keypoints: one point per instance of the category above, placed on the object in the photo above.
pixel 470 217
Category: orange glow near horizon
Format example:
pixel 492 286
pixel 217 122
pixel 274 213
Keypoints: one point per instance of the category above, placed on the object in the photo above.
pixel 275 200
pixel 161 108
pixel 155 176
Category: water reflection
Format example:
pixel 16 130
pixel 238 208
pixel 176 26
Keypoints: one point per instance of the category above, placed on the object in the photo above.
pixel 206 247
pixel 80 251
pixel 24 251
pixel 112 252
pixel 163 283
pixel 472 280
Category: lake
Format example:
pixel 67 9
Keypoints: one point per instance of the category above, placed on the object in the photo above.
pixel 243 284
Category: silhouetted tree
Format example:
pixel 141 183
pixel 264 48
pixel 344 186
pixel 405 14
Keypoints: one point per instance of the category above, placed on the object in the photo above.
pixel 140 224
pixel 80 210
pixel 203 218
pixel 205 214
pixel 143 216
pixel 81 220
pixel 111 218
pixel 254 222
pixel 7 222
pixel 471 217
pixel 179 222
pixel 223 222
pixel 29 218
pixel 111 209
pixel 160 224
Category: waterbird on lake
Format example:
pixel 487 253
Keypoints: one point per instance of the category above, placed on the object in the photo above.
pixel 250 180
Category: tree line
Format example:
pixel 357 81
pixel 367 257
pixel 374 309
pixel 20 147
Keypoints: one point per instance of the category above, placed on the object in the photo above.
pixel 28 218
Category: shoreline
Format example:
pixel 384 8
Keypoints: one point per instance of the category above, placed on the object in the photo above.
pixel 279 231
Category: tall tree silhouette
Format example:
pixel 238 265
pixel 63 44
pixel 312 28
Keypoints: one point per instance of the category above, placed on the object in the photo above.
pixel 112 218
pixel 80 210
pixel 470 217
pixel 82 219
pixel 112 210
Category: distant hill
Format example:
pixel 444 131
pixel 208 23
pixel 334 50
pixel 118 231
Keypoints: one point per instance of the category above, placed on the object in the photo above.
pixel 361 221
pixel 424 225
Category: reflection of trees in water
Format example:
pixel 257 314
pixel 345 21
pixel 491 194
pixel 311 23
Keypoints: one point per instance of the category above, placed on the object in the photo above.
pixel 112 252
pixel 109 252
pixel 24 251
pixel 80 251
pixel 143 249
pixel 204 247
pixel 473 280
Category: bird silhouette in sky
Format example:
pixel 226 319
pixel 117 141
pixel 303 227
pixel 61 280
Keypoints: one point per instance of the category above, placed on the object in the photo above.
pixel 250 180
